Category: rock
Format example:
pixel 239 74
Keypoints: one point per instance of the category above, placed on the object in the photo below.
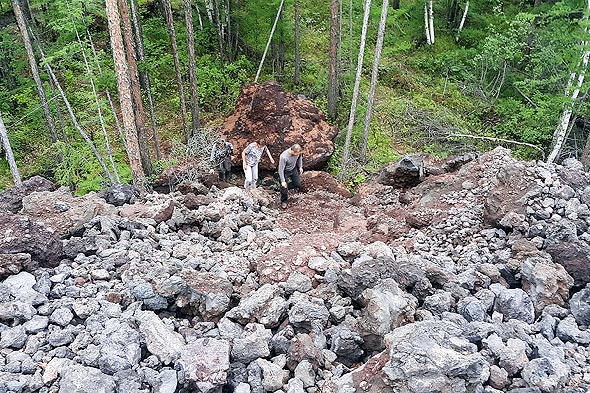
pixel 80 379
pixel 545 282
pixel 13 337
pixel 21 235
pixel 580 306
pixel 346 344
pixel 121 194
pixel 21 288
pixel 62 212
pixel 210 292
pixel 549 375
pixel 304 372
pixel 366 273
pixel 309 313
pixel 252 344
pixel 192 201
pixel 14 263
pixel 273 376
pixel 513 357
pixel 266 306
pixel 323 181
pixel 297 281
pixel 283 119
pixel 61 316
pixel 120 349
pixel 574 256
pixel 11 200
pixel 515 304
pixel 407 172
pixel 295 386
pixel 167 381
pixel 498 377
pixel 37 324
pixel 160 339
pixel 54 368
pixel 158 212
pixel 508 191
pixel 206 362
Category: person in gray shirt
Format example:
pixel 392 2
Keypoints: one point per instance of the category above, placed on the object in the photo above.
pixel 290 167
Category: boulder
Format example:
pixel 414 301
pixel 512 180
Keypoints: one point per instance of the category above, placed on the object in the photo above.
pixel 121 194
pixel 12 200
pixel 14 263
pixel 574 256
pixel 20 234
pixel 120 349
pixel 80 379
pixel 161 340
pixel 158 212
pixel 405 173
pixel 545 282
pixel 323 181
pixel 206 363
pixel 209 292
pixel 549 375
pixel 266 306
pixel 283 119
pixel 515 304
pixel 580 306
pixel 62 211
pixel 253 343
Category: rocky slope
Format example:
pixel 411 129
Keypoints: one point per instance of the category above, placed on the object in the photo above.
pixel 472 280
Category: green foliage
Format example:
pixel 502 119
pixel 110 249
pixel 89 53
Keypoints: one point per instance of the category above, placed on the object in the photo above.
pixel 78 168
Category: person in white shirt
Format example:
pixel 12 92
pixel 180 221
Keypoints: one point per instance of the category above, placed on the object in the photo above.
pixel 251 156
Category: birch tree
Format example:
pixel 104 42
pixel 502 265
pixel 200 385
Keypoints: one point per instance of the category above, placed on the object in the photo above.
pixel 374 76
pixel 192 67
pixel 124 89
pixel 333 67
pixel 429 22
pixel 9 155
pixel 172 34
pixel 463 18
pixel 272 31
pixel 355 93
pixel 144 77
pixel 20 20
pixel 575 82
pixel 297 47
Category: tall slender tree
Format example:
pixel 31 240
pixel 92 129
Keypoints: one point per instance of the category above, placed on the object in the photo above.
pixel 144 76
pixel 129 43
pixel 333 68
pixel 272 32
pixel 172 34
pixel 124 89
pixel 463 18
pixel 374 76
pixel 297 76
pixel 355 93
pixel 9 155
pixel 192 68
pixel 22 26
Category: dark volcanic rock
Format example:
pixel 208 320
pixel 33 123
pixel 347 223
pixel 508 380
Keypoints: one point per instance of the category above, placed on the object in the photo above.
pixel 20 234
pixel 12 200
pixel 574 257
pixel 121 194
pixel 407 172
pixel 283 119
pixel 14 263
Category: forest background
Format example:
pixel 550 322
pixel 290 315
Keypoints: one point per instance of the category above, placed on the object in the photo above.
pixel 502 72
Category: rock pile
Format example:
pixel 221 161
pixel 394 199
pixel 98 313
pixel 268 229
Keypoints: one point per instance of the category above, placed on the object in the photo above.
pixel 168 295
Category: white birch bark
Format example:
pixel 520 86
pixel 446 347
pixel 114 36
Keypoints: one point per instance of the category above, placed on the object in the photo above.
pixel 355 93
pixel 374 76
pixel 210 7
pixel 9 154
pixel 274 26
pixel 462 24
pixel 431 21
pixel 426 25
pixel 199 15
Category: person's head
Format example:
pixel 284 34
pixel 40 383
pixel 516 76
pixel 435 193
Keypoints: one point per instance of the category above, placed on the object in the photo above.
pixel 261 142
pixel 296 150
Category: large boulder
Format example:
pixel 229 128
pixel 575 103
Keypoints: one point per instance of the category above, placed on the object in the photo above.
pixel 64 212
pixel 283 119
pixel 407 172
pixel 546 282
pixel 574 256
pixel 323 181
pixel 206 363
pixel 12 200
pixel 80 379
pixel 22 235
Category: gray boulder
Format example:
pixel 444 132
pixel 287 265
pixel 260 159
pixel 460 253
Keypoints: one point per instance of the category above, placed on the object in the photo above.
pixel 266 306
pixel 580 306
pixel 549 375
pixel 120 349
pixel 515 304
pixel 546 282
pixel 252 344
pixel 206 363
pixel 407 172
pixel 12 200
pixel 161 340
pixel 80 379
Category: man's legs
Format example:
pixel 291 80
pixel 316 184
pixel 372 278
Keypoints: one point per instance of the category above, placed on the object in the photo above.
pixel 254 175
pixel 248 174
pixel 285 190
pixel 295 179
pixel 226 169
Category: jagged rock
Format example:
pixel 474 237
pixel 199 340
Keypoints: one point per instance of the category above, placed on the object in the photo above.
pixel 310 313
pixel 580 306
pixel 407 172
pixel 568 330
pixel 211 293
pixel 14 263
pixel 545 282
pixel 304 372
pixel 13 337
pixel 267 111
pixel 574 256
pixel 62 212
pixel 11 200
pixel 252 344
pixel 273 376
pixel 206 363
pixel 192 201
pixel 121 194
pixel 80 379
pixel 346 344
pixel 158 212
pixel 160 339
pixel 515 304
pixel 498 377
pixel 22 235
pixel 266 306
pixel 295 386
pixel 120 349
pixel 549 375
pixel 366 273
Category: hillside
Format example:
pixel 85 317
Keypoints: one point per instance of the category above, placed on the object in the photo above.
pixel 473 279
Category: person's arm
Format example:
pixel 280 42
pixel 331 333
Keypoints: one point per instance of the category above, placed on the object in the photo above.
pixel 244 158
pixel 282 164
pixel 269 156
pixel 300 163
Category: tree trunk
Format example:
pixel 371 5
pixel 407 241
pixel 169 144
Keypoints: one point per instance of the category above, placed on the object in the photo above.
pixel 427 25
pixel 228 35
pixel 129 43
pixel 374 76
pixel 585 157
pixel 355 93
pixel 9 154
pixel 395 4
pixel 350 34
pixel 34 69
pixel 297 39
pixel 274 26
pixel 144 77
pixel 332 81
pixel 199 16
pixel 431 20
pixel 210 9
pixel 124 88
pixel 192 68
pixel 172 34
pixel 462 21
pixel 100 117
